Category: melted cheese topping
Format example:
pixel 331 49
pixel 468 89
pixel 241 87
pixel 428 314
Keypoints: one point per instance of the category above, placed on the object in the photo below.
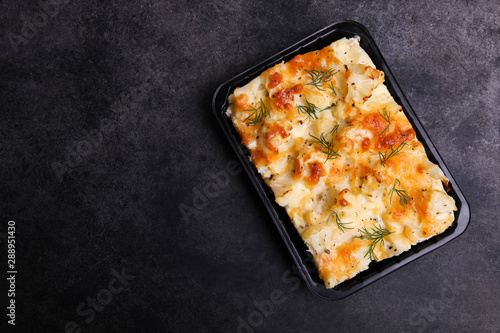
pixel 354 183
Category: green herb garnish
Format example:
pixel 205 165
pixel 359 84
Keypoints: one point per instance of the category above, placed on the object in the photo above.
pixel 258 114
pixel 311 110
pixel 342 226
pixel 324 146
pixel 387 117
pixel 387 155
pixel 332 88
pixel 319 78
pixel 376 235
pixel 404 198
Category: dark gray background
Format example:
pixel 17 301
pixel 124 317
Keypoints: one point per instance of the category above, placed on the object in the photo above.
pixel 150 68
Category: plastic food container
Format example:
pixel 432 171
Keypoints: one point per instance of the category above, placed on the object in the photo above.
pixel 290 236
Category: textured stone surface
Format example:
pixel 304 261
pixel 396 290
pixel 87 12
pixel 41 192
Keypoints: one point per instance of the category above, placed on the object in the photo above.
pixel 138 77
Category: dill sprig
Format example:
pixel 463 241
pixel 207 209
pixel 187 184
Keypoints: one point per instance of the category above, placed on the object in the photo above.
pixel 258 114
pixel 332 88
pixel 324 146
pixel 311 110
pixel 404 198
pixel 319 78
pixel 387 117
pixel 341 225
pixel 334 129
pixel 388 154
pixel 376 236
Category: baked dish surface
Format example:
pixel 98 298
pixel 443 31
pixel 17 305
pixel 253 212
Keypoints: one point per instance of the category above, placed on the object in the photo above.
pixel 342 158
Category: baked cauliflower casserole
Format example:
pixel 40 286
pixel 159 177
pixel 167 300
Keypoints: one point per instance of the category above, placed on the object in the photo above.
pixel 342 158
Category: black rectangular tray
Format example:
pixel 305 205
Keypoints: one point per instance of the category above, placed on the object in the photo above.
pixel 292 239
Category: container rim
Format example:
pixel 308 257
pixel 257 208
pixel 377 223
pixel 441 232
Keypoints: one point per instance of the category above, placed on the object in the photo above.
pixel 376 270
